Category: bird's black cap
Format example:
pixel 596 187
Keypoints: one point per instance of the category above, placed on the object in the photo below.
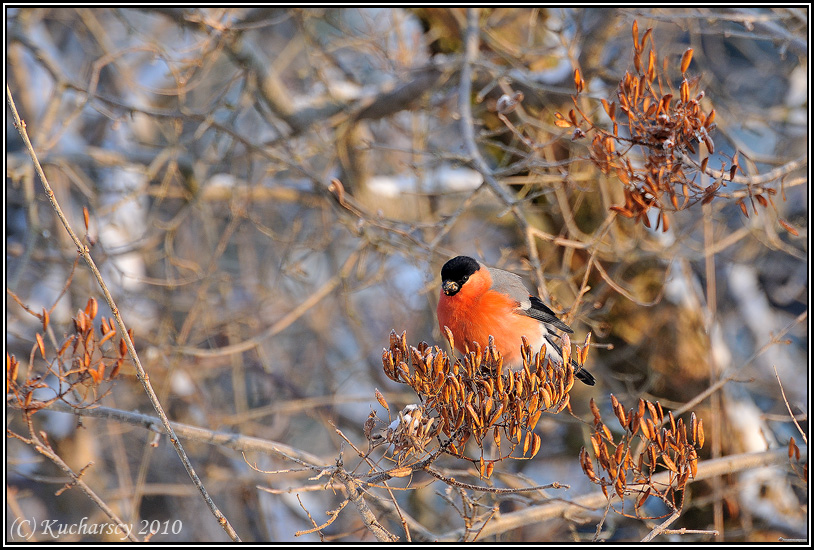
pixel 456 272
pixel 458 268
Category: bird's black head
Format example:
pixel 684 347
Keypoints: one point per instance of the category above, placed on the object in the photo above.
pixel 456 272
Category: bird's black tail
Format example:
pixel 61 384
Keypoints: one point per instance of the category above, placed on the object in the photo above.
pixel 583 374
pixel 579 372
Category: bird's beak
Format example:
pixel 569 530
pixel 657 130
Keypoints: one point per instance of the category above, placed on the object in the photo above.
pixel 450 288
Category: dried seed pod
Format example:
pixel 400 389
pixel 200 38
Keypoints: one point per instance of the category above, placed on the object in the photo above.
pixel 647 33
pixel 578 82
pixel 116 369
pixel 40 345
pixel 640 502
pixel 587 465
pixel 596 442
pixel 473 414
pixel 380 398
pixel 566 400
pixel 654 414
pixel 606 431
pixel 107 337
pixel 618 455
pixel 693 462
pixel 535 445
pixel 686 58
pixel 533 402
pixel 634 422
pixel 544 393
pixel 527 442
pixel 620 488
pixel 12 368
pixel 79 321
pixel 669 463
pixel 92 308
pixel 788 227
pixel 65 344
pixel 45 319
pixel 498 412
pixel 595 411
pixel 535 419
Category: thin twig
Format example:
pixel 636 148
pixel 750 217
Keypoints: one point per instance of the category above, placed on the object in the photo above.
pixel 791 414
pixel 45 449
pixel 233 441
pixel 706 470
pixel 495 490
pixel 664 525
pixel 84 251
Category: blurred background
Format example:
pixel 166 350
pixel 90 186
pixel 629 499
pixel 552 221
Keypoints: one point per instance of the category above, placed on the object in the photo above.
pixel 203 143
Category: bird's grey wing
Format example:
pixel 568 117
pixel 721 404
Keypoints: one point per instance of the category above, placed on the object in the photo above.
pixel 511 284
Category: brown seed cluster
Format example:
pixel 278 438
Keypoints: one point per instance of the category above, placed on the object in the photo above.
pixel 410 434
pixel 628 465
pixel 84 360
pixel 663 125
pixel 472 399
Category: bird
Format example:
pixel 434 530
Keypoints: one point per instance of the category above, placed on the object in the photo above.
pixel 478 301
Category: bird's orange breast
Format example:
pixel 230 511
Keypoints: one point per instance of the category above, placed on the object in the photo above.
pixel 473 318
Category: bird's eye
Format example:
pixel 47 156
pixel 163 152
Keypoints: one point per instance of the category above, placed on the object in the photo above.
pixel 465 278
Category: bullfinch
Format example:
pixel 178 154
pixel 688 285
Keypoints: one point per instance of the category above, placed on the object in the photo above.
pixel 478 301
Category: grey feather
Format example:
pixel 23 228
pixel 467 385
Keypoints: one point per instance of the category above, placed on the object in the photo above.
pixel 530 305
